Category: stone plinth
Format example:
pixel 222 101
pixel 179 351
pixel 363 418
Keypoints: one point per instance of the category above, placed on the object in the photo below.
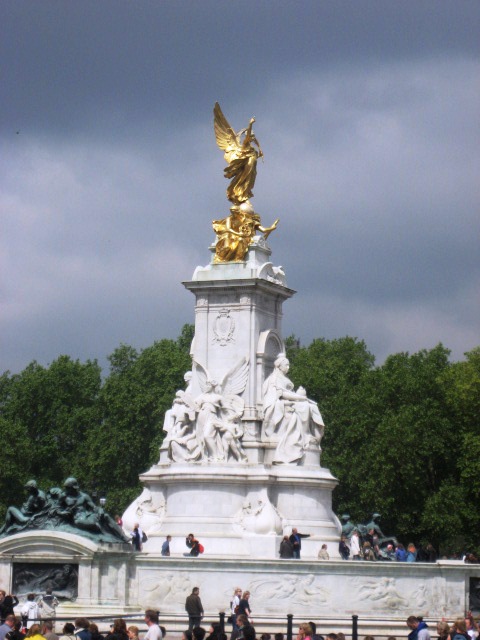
pixel 236 499
pixel 112 583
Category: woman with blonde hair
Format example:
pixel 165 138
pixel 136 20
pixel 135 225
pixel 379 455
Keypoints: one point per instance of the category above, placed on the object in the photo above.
pixel 304 631
pixel 443 630
pixel 34 633
pixel 133 632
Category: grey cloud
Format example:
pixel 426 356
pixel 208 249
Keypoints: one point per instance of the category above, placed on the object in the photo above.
pixel 366 115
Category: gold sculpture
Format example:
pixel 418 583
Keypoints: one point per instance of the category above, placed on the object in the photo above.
pixel 236 232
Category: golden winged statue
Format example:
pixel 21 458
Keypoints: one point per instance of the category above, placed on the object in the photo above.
pixel 241 156
pixel 236 232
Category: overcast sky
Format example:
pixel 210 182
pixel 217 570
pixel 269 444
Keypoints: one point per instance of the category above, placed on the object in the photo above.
pixel 367 113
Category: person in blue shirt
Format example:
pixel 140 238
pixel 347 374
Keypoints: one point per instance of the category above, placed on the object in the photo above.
pixel 296 542
pixel 166 546
pixel 400 553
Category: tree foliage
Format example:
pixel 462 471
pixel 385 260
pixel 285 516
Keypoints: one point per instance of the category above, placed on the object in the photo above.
pixel 403 438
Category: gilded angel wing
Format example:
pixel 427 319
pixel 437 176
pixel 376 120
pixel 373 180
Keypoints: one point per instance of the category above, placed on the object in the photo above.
pixel 226 137
pixel 235 381
pixel 202 375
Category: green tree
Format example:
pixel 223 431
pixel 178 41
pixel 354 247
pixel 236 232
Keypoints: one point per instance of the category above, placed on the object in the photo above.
pixel 56 405
pixel 133 400
pixel 47 411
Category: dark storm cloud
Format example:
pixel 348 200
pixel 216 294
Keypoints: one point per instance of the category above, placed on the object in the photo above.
pixel 74 66
pixel 367 115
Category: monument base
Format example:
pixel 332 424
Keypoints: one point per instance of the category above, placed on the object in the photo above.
pixel 234 510
pixel 112 583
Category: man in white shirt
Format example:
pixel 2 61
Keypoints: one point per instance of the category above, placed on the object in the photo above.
pixel 154 632
pixel 29 611
pixel 355 546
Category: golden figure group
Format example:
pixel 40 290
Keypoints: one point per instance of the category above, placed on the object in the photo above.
pixel 236 232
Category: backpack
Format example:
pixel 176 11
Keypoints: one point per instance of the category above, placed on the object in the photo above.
pixel 201 548
pixel 144 536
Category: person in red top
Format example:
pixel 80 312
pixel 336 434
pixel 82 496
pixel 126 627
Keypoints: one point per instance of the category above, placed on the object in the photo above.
pixel 193 544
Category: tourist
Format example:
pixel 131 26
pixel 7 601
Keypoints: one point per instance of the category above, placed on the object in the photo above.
pixel 296 542
pixel 82 633
pixel 400 553
pixel 245 629
pixel 443 630
pixel 411 553
pixel 367 638
pixel 119 630
pixel 343 548
pixel 193 544
pixel 7 626
pixel 323 553
pixel 234 607
pixel 304 632
pixel 280 636
pixel 369 537
pixel 133 632
pixel 68 631
pixel 138 537
pixel 459 630
pixel 151 620
pixel 94 632
pixel 315 635
pixel 286 549
pixel 194 608
pixel 355 545
pixel 34 632
pixel 216 633
pixel 29 611
pixel 430 553
pixel 47 605
pixel 7 604
pixel 471 626
pixel 47 630
pixel 266 636
pixel 368 552
pixel 198 633
pixel 16 632
pixel 166 546
pixel 390 553
pixel 419 629
pixel 187 635
pixel 244 606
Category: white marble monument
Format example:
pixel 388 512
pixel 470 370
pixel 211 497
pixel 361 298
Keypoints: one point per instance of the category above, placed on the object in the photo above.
pixel 240 462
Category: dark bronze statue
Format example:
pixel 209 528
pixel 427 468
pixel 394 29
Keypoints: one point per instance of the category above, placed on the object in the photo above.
pixel 69 510
pixel 373 528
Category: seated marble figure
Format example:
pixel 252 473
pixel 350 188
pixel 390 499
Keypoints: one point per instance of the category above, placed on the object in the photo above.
pixel 290 417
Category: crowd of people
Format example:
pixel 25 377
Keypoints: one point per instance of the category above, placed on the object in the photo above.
pixel 369 547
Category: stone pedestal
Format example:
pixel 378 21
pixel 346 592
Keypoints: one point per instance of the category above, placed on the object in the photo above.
pixel 100 572
pixel 237 507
